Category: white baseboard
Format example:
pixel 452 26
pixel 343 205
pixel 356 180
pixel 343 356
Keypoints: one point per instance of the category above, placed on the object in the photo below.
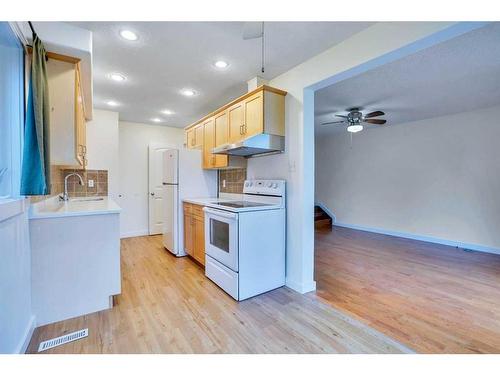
pixel 301 288
pixel 25 340
pixel 463 245
pixel 136 233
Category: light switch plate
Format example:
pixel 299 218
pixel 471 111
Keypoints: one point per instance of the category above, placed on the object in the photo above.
pixel 91 183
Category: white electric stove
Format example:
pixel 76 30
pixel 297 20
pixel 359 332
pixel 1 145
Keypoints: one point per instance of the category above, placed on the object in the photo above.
pixel 245 240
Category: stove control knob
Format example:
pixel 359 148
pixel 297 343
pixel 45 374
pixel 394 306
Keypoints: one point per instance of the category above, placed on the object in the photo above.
pixel 247 184
pixel 275 185
pixel 269 184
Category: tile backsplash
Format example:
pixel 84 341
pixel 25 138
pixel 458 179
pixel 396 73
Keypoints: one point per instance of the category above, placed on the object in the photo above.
pixel 232 180
pixel 99 177
pixel 57 175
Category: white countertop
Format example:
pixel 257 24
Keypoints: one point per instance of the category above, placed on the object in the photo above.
pixel 10 207
pixel 270 203
pixel 54 207
pixel 224 197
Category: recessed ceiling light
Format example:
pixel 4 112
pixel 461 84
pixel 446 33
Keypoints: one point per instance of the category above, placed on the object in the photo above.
pixel 129 35
pixel 156 119
pixel 167 112
pixel 188 92
pixel 354 128
pixel 112 103
pixel 221 64
pixel 117 77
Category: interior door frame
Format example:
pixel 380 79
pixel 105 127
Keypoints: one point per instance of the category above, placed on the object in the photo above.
pixel 304 281
pixel 154 145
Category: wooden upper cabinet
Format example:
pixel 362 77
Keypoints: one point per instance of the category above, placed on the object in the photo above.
pixel 208 143
pixel 198 136
pixel 235 117
pixel 67 117
pixel 80 122
pixel 190 138
pixel 254 115
pixel 257 112
pixel 221 129
pixel 194 137
pixel 221 137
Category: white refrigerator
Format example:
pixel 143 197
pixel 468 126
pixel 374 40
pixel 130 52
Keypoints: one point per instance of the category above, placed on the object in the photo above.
pixel 183 177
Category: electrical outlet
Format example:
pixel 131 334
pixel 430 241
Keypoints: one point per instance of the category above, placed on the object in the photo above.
pixel 91 183
pixel 224 183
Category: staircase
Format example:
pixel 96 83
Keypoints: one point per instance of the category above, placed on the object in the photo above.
pixel 321 219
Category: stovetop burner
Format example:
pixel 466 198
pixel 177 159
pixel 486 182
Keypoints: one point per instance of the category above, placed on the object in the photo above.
pixel 240 204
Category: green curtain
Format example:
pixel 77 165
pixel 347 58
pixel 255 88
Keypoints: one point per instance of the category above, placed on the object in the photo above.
pixel 35 178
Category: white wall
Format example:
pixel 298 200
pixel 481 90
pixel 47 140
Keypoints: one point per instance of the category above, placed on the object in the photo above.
pixel 102 147
pixel 433 178
pixel 134 139
pixel 16 321
pixel 297 164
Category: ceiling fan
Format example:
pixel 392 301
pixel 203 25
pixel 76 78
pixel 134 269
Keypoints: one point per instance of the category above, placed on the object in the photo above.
pixel 355 118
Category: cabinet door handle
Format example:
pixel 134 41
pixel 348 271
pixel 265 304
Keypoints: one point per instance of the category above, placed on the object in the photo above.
pixel 244 128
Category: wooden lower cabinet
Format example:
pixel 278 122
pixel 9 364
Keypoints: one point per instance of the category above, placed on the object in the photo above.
pixel 194 232
pixel 199 240
pixel 188 232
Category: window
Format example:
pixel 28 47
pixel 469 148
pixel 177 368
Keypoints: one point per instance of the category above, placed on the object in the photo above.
pixel 11 110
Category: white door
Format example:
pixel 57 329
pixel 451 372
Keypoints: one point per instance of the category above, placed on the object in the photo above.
pixel 156 203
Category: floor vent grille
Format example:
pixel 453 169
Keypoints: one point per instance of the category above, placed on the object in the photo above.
pixel 61 340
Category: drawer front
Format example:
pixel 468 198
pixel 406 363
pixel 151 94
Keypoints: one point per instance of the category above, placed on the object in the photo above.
pixel 222 276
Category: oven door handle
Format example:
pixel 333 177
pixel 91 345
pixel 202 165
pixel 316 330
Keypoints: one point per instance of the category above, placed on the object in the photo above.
pixel 227 215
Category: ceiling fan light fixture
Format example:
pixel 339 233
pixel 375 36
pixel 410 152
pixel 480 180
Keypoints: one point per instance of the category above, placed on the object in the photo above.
pixel 354 128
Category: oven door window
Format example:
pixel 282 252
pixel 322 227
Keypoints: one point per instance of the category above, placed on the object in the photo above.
pixel 219 234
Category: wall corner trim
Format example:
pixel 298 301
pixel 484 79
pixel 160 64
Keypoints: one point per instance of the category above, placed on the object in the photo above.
pixel 301 288
pixel 28 333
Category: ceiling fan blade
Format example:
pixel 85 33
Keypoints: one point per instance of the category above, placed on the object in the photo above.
pixel 374 114
pixel 343 116
pixel 252 30
pixel 375 121
pixel 333 122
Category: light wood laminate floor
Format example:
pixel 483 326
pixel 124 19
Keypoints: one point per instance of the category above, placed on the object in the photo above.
pixel 432 298
pixel 168 306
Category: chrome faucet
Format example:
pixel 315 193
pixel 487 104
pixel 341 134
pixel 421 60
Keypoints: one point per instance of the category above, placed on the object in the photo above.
pixel 64 196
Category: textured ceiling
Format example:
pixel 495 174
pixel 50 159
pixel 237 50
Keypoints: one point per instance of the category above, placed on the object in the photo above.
pixel 170 56
pixel 459 75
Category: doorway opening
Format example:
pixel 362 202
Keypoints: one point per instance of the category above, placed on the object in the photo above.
pixel 400 193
